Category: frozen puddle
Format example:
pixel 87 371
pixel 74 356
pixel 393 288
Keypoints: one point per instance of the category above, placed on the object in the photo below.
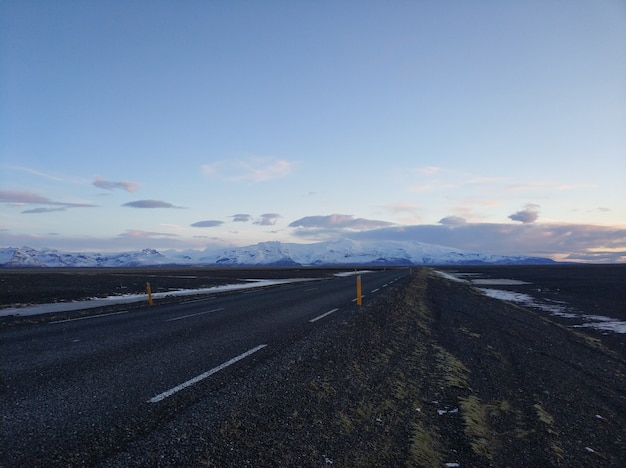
pixel 599 322
pixel 555 308
pixel 460 277
pixel 498 282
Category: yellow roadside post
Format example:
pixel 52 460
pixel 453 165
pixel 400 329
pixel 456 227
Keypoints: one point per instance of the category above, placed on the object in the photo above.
pixel 359 299
pixel 149 289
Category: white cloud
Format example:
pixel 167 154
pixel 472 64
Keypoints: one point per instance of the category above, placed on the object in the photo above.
pixel 251 169
pixel 428 170
pixel 259 169
pixel 37 173
pixel 402 207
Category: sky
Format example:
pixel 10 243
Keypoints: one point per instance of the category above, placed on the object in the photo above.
pixel 493 126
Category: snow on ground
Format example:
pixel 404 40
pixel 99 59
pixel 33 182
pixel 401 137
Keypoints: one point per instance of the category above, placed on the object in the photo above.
pixel 556 308
pixel 351 273
pixel 129 298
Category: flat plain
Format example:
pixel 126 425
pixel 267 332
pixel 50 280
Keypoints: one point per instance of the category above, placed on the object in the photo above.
pixel 431 373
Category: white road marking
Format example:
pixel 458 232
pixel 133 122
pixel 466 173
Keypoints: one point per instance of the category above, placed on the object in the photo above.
pixel 193 315
pixel 198 300
pixel 323 315
pixel 89 317
pixel 178 388
pixel 375 290
pixel 354 300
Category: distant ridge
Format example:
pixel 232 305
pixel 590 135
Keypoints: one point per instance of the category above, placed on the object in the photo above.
pixel 343 252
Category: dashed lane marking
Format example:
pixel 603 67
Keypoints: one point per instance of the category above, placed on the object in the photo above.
pixel 323 315
pixel 182 386
pixel 193 315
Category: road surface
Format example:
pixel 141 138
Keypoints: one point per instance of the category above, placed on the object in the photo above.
pixel 75 391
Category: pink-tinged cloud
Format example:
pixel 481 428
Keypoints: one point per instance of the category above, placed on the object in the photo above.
pixel 402 207
pixel 29 198
pixel 11 196
pixel 150 204
pixel 264 169
pixel 125 185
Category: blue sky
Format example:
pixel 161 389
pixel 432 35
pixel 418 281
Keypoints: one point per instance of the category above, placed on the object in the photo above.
pixel 496 126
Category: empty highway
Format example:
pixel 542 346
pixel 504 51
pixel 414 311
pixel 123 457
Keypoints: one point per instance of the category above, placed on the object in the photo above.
pixel 75 391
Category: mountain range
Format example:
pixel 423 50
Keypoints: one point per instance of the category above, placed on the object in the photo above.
pixel 343 252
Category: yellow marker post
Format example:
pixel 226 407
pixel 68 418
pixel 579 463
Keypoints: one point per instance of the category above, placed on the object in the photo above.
pixel 359 299
pixel 149 289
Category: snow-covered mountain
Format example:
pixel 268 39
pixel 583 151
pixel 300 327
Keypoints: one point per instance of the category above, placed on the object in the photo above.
pixel 341 252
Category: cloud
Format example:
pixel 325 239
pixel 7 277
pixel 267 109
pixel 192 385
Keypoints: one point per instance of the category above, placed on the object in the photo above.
pixel 337 222
pixel 10 196
pixel 37 173
pixel 428 170
pixel 150 204
pixel 402 207
pixel 241 218
pixel 136 233
pixel 527 215
pixel 43 210
pixel 252 169
pixel 29 198
pixel 208 223
pixel 453 221
pixel 547 240
pixel 565 187
pixel 125 185
pixel 598 257
pixel 268 219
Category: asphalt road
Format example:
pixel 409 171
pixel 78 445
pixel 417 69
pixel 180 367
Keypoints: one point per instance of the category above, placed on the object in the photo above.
pixel 88 384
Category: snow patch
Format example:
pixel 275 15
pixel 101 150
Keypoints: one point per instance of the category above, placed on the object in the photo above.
pixel 556 308
pixel 130 298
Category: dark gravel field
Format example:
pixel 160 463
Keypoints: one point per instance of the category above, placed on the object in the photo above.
pixel 432 373
pixel 47 285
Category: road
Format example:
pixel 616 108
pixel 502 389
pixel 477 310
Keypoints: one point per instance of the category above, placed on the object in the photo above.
pixel 75 390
